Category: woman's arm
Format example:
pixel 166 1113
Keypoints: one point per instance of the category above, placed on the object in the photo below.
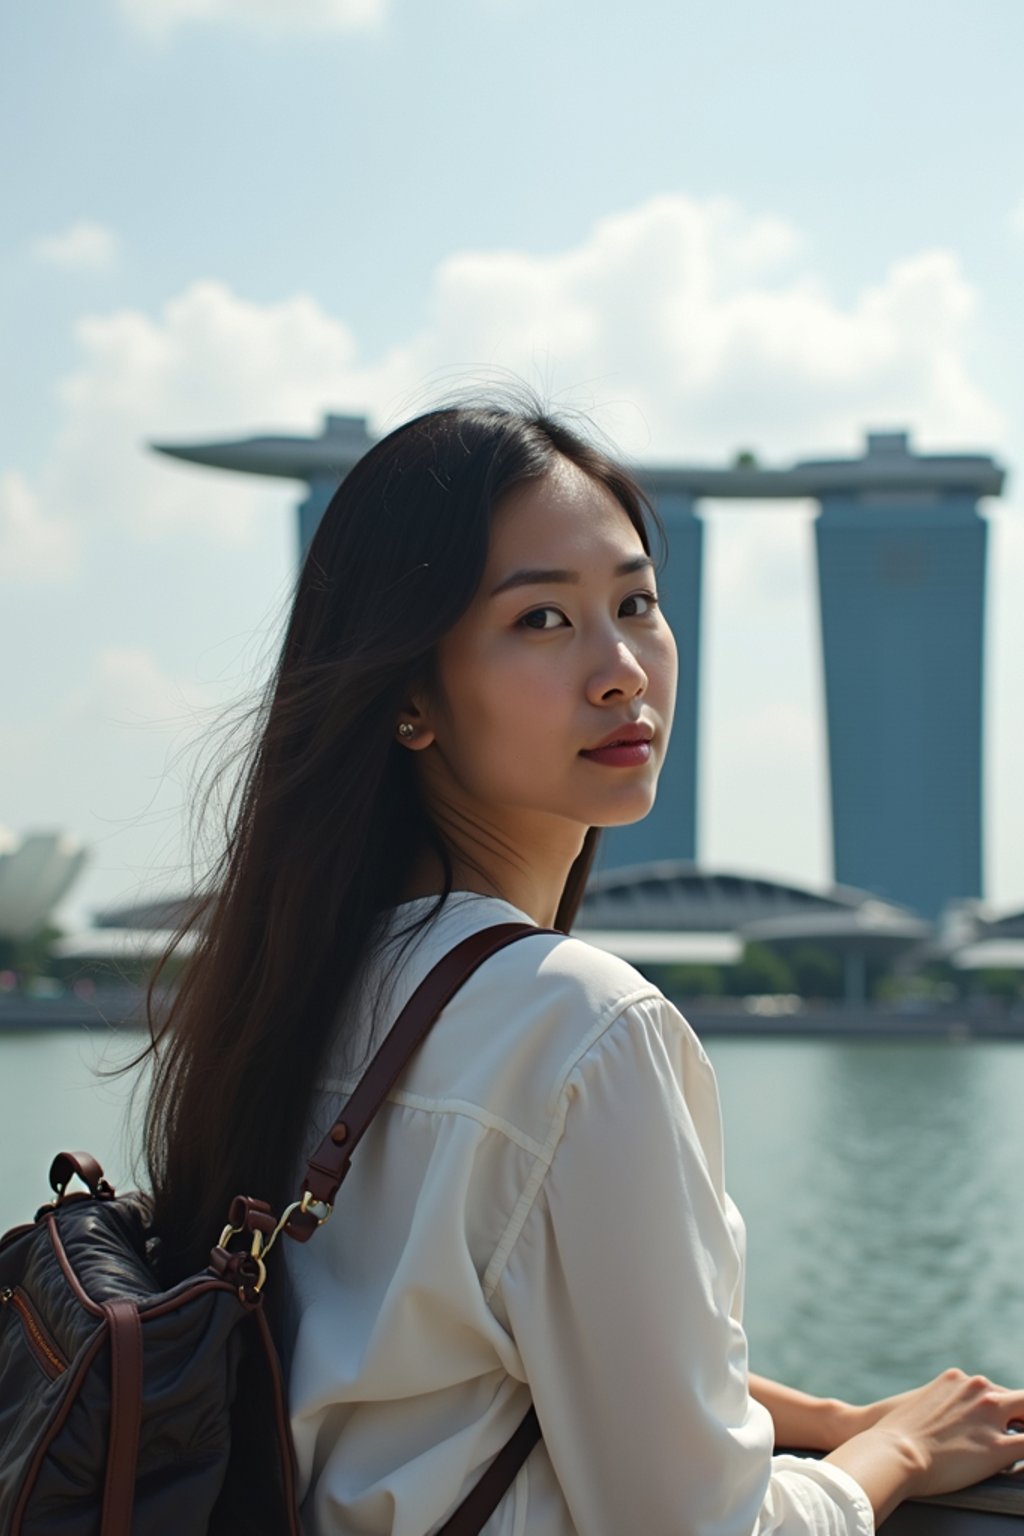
pixel 925 1441
pixel 942 1436
pixel 807 1423
pixel 620 1288
pixel 617 1282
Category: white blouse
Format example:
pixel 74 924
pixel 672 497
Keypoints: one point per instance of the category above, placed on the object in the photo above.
pixel 537 1214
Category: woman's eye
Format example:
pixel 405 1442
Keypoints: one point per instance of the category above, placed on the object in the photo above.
pixel 638 605
pixel 538 618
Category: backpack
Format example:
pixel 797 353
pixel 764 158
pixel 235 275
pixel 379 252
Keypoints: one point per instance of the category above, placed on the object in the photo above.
pixel 127 1409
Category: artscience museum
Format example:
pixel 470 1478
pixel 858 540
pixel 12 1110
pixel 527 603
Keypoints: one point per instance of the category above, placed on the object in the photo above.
pixel 36 872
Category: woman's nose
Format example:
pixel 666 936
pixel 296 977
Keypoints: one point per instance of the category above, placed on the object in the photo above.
pixel 619 676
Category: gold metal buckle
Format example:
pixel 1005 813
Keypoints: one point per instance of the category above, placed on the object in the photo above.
pixel 305 1205
pixel 228 1233
pixel 258 1250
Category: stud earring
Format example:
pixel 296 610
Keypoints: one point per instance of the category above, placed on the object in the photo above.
pixel 406 729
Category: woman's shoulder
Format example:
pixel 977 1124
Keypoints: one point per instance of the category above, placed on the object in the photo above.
pixel 555 969
pixel 512 1035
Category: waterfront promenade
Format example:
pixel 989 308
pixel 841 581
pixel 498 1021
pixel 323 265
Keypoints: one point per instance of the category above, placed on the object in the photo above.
pixel 122 1007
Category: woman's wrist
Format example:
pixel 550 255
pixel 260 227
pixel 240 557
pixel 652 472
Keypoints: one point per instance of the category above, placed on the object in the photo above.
pixel 888 1466
pixel 835 1421
pixel 854 1419
pixel 841 1421
pixel 807 1423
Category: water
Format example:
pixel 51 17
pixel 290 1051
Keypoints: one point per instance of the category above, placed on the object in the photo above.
pixel 53 1098
pixel 881 1184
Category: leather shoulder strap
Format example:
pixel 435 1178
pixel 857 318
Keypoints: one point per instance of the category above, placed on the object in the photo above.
pixel 480 1503
pixel 125 1333
pixel 330 1162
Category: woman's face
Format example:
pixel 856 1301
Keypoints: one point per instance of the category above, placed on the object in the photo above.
pixel 562 651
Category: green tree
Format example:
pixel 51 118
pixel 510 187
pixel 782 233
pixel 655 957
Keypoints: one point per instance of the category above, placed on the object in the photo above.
pixel 817 971
pixel 692 981
pixel 1002 983
pixel 760 971
pixel 29 957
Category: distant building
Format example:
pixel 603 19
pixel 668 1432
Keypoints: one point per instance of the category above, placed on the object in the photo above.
pixel 973 939
pixel 35 873
pixel 901 561
pixel 669 912
pixel 901 566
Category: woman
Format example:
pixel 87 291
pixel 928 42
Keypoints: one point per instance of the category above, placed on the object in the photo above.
pixel 476 677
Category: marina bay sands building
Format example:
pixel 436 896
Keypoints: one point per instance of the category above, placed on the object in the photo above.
pixel 901 552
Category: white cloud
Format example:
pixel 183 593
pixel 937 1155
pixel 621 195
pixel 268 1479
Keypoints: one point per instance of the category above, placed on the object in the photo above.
pixel 35 547
pixel 210 364
pixel 717 329
pixel 128 686
pixel 691 327
pixel 83 247
pixel 161 16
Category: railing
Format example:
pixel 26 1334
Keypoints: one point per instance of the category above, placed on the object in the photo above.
pixel 992 1508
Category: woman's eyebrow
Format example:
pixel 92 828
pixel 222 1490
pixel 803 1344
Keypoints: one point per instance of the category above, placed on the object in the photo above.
pixel 535 577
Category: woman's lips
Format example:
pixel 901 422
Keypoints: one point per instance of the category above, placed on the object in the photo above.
pixel 623 754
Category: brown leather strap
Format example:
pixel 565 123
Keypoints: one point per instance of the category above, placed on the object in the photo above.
pixel 480 1503
pixel 125 1332
pixel 286 1446
pixel 330 1162
pixel 66 1164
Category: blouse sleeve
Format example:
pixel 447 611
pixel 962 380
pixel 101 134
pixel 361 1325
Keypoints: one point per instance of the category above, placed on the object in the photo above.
pixel 622 1290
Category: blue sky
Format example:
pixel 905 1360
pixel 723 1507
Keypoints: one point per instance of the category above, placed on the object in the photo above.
pixel 714 227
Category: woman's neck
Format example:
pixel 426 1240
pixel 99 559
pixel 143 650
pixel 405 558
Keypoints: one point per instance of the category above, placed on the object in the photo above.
pixel 537 892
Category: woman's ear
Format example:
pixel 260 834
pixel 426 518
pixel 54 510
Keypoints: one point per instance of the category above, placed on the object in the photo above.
pixel 413 728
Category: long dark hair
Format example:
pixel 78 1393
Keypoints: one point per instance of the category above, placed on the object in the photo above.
pixel 328 818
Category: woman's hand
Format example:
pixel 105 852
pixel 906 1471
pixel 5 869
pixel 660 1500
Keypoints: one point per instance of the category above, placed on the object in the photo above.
pixel 939 1437
pixel 849 1419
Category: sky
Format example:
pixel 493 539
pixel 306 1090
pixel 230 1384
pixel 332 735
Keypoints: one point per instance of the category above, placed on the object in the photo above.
pixel 710 227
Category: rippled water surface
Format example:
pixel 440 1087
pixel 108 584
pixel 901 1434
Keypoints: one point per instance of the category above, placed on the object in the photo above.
pixel 882 1189
pixel 881 1184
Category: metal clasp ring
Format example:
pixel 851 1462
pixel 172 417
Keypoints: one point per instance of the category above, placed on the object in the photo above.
pixel 305 1205
pixel 257 1251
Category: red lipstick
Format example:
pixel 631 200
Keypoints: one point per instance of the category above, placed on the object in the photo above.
pixel 629 746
